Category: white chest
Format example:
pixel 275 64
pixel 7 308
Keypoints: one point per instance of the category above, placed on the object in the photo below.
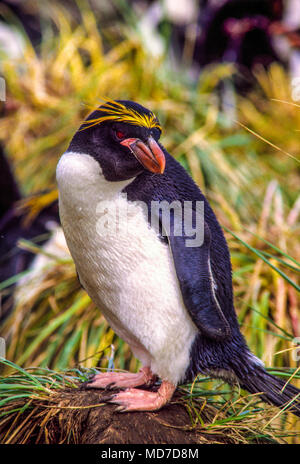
pixel 126 270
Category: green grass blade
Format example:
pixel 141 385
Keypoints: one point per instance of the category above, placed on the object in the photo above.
pixel 275 248
pixel 260 255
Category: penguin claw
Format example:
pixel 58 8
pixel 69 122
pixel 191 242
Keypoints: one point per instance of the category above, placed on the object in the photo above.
pixel 85 385
pixel 111 386
pixel 120 409
pixel 107 398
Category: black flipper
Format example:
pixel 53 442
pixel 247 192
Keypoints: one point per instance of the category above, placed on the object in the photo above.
pixel 195 277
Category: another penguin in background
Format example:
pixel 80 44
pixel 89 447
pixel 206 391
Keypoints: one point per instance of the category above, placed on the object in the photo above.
pixel 13 227
pixel 172 302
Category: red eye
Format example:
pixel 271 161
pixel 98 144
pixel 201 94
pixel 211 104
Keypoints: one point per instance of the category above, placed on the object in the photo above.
pixel 119 134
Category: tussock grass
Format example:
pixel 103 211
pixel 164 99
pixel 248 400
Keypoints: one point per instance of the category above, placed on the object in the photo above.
pixel 34 401
pixel 251 185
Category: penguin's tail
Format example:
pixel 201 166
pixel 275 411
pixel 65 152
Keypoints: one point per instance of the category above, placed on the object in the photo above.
pixel 273 389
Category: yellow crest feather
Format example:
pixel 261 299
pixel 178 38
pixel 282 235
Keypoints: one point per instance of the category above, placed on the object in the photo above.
pixel 116 111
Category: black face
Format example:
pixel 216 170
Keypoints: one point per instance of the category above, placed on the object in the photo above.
pixel 123 150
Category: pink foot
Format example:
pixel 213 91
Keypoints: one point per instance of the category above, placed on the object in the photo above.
pixel 121 379
pixel 133 399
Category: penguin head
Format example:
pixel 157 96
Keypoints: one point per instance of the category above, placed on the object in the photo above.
pixel 122 136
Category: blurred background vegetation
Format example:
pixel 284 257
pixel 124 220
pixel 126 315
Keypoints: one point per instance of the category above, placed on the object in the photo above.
pixel 223 83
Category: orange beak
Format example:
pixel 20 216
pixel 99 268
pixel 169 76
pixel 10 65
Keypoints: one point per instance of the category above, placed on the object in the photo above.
pixel 150 155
